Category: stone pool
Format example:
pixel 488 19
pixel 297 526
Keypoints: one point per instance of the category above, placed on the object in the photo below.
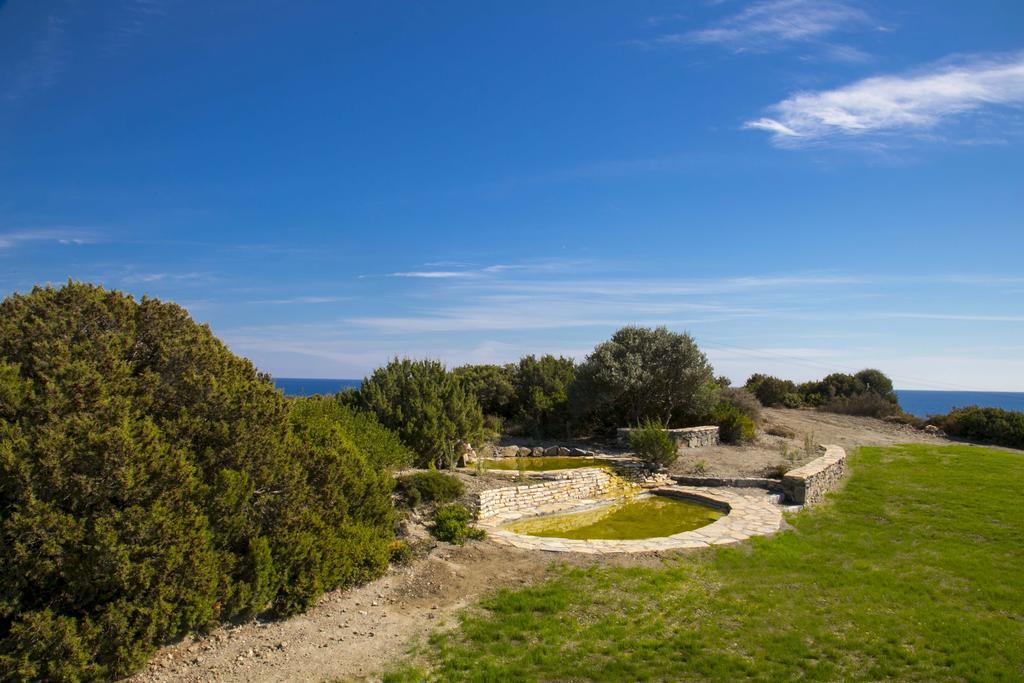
pixel 636 517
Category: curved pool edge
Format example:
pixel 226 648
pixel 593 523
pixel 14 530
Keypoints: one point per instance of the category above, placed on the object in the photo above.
pixel 747 516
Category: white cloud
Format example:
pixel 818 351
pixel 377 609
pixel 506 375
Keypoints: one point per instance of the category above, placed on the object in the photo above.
pixel 300 300
pixel 893 104
pixel 9 240
pixel 773 24
pixel 433 274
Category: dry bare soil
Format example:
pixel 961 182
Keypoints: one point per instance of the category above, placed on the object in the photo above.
pixel 361 632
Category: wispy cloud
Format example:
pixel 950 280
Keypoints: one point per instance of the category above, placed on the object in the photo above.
pixel 297 300
pixel 145 278
pixel 433 274
pixel 895 104
pixel 9 240
pixel 465 272
pixel 45 60
pixel 774 24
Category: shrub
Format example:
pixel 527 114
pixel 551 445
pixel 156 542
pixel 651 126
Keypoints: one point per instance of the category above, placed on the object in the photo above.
pixel 428 487
pixel 742 400
pixel 451 524
pixel 491 385
pixel 792 399
pixel 770 391
pixel 653 444
pixel 877 382
pixel 733 425
pixel 426 406
pixel 990 425
pixel 644 374
pixel 868 404
pixel 381 446
pixel 542 395
pixel 781 430
pixel 152 483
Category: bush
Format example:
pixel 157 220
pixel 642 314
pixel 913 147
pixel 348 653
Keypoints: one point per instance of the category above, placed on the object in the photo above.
pixel 644 374
pixel 451 524
pixel 770 391
pixel 428 487
pixel 491 385
pixel 989 425
pixel 542 395
pixel 868 404
pixel 653 444
pixel 426 406
pixel 742 400
pixel 381 446
pixel 792 400
pixel 152 483
pixel 780 430
pixel 733 425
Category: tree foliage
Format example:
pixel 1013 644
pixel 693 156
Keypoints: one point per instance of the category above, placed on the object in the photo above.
pixel 152 483
pixel 426 406
pixel 988 425
pixel 642 374
pixel 868 392
pixel 542 394
pixel 492 386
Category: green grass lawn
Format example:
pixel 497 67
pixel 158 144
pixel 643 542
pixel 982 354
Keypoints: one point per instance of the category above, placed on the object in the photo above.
pixel 914 571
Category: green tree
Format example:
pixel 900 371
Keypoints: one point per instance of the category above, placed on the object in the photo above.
pixel 492 385
pixel 770 391
pixel 542 394
pixel 426 406
pixel 151 483
pixel 645 374
pixel 878 382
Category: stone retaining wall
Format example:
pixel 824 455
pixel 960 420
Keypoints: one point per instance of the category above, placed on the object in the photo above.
pixel 808 484
pixel 535 451
pixel 731 482
pixel 580 484
pixel 687 437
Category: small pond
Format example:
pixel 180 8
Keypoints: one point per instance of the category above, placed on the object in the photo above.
pixel 544 463
pixel 648 516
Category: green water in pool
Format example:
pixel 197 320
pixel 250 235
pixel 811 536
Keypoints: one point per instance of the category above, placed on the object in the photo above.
pixel 545 463
pixel 635 518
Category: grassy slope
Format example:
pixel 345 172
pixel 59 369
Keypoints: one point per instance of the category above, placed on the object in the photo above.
pixel 915 571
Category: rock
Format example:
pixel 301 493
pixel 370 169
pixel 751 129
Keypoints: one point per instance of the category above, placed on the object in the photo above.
pixel 523 452
pixel 537 452
pixel 562 450
pixel 551 451
pixel 508 451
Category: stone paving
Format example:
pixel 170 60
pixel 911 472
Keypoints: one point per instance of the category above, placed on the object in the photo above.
pixel 750 513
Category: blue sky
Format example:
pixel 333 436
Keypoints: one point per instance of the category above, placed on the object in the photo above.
pixel 804 186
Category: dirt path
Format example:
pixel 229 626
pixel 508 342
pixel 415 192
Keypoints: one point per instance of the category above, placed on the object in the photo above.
pixel 363 632
pixel 753 460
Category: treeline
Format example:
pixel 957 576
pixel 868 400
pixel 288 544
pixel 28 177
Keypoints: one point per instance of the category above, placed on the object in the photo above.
pixel 868 392
pixel 640 375
pixel 153 484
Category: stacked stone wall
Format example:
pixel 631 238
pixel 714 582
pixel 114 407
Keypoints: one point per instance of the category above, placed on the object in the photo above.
pixel 808 484
pixel 581 484
pixel 687 437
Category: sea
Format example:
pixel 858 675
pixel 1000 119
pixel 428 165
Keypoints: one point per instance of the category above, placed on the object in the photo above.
pixel 925 403
pixel 915 402
pixel 309 386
